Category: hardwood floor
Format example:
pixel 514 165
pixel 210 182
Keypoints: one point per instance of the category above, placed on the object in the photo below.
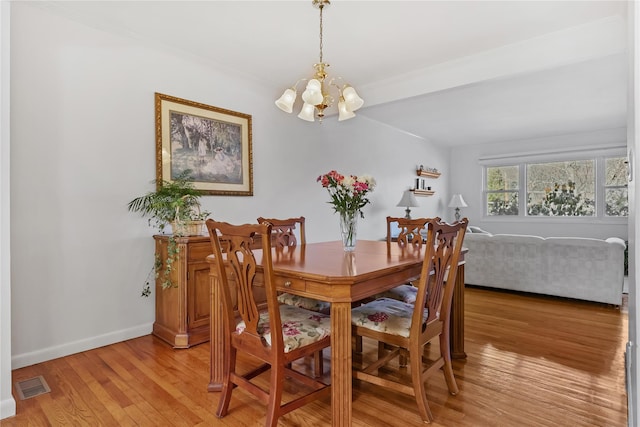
pixel 532 361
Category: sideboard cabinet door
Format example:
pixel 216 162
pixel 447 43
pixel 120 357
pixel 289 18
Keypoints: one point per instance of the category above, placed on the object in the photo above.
pixel 182 311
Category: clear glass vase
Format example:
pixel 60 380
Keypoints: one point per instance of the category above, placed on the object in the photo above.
pixel 349 230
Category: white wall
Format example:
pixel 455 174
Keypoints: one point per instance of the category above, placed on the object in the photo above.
pixel 466 172
pixel 7 403
pixel 83 146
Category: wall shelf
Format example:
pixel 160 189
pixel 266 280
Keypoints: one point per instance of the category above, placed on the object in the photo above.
pixel 427 174
pixel 423 192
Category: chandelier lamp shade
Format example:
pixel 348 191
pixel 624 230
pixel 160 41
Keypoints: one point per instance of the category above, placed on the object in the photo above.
pixel 317 96
pixel 457 202
pixel 409 201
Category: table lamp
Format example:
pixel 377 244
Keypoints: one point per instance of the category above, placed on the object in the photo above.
pixel 457 202
pixel 409 201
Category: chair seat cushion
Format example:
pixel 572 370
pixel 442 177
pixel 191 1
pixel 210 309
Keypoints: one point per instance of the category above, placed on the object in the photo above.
pixel 406 293
pixel 385 315
pixel 300 327
pixel 306 303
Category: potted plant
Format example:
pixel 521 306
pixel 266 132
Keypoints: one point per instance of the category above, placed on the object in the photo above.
pixel 176 203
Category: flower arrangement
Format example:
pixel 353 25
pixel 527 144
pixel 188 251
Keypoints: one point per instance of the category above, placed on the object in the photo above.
pixel 348 193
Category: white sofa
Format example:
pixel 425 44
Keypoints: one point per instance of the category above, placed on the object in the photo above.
pixel 572 267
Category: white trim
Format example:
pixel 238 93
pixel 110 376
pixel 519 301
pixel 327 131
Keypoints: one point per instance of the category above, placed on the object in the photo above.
pixel 558 155
pixel 7 402
pixel 28 359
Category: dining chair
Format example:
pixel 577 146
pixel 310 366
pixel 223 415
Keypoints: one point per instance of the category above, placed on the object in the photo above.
pixel 410 237
pixel 275 337
pixel 284 237
pixel 403 329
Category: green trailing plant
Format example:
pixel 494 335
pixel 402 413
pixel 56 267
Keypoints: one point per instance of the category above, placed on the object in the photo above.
pixel 173 202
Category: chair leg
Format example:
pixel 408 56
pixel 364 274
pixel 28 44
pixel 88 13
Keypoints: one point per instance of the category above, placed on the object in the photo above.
pixel 275 395
pixel 358 343
pixel 318 367
pixel 418 386
pixel 447 369
pixel 227 387
pixel 402 358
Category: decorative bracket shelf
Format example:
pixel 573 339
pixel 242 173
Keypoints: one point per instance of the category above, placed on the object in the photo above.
pixel 427 174
pixel 423 192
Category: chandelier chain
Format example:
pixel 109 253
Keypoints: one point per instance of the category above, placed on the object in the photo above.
pixel 321 7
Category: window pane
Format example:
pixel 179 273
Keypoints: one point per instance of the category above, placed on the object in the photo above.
pixel 616 202
pixel 616 171
pixel 502 178
pixel 502 203
pixel 561 188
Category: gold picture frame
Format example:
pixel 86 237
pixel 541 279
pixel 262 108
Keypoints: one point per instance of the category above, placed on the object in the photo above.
pixel 214 144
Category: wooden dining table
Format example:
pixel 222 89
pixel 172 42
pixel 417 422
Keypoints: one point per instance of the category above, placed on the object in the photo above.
pixel 326 272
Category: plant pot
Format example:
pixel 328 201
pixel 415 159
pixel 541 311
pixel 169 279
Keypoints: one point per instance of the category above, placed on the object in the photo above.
pixel 188 228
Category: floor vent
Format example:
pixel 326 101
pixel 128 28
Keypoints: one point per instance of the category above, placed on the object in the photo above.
pixel 32 387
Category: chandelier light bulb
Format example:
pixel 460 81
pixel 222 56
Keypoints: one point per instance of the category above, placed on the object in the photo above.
pixel 307 112
pixel 285 102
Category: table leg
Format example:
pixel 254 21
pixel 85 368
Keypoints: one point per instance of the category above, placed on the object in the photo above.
pixel 217 338
pixel 341 364
pixel 456 327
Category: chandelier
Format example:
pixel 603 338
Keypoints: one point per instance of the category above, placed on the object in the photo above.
pixel 316 96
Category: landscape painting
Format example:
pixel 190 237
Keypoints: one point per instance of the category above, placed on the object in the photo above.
pixel 212 144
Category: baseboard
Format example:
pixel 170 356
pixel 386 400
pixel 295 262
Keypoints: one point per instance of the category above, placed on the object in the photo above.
pixel 27 359
pixel 7 408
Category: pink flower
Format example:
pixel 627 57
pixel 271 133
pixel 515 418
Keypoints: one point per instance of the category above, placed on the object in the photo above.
pixel 348 194
pixel 290 329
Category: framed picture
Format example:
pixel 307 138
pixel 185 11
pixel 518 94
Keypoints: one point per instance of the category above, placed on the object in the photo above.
pixel 214 144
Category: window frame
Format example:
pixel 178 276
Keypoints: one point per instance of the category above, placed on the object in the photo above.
pixel 598 155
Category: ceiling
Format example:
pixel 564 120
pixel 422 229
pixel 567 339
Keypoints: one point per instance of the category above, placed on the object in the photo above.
pixel 451 72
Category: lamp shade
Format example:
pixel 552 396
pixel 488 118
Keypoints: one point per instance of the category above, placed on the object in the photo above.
pixel 457 201
pixel 313 93
pixel 285 102
pixel 352 99
pixel 408 200
pixel 307 112
pixel 343 112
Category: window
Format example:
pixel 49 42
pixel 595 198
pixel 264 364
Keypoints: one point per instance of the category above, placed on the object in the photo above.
pixel 588 187
pixel 502 190
pixel 561 188
pixel 615 187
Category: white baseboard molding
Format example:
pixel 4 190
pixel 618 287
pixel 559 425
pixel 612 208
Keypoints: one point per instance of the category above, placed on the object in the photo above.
pixel 31 358
pixel 7 408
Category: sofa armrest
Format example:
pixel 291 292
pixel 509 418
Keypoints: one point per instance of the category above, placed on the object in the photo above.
pixel 617 241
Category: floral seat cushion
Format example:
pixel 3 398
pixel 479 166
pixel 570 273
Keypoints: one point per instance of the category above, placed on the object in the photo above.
pixel 306 303
pixel 385 315
pixel 300 327
pixel 406 293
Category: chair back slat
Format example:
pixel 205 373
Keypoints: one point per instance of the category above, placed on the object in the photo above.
pixel 437 280
pixel 284 231
pixel 232 246
pixel 410 230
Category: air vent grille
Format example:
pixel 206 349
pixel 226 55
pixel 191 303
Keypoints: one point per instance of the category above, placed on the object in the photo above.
pixel 32 387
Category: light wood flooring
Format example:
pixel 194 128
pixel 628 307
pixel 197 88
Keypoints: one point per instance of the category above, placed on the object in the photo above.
pixel 532 361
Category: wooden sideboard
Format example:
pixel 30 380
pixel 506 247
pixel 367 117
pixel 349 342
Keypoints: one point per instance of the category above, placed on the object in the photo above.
pixel 182 311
